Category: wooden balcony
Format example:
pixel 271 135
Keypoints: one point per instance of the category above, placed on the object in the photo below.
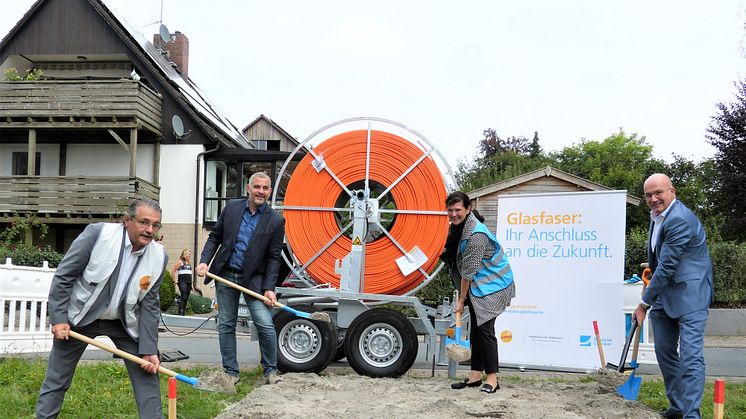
pixel 100 104
pixel 71 199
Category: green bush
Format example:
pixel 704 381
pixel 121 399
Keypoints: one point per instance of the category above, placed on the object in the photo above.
pixel 437 289
pixel 199 304
pixel 636 251
pixel 729 266
pixel 167 291
pixel 25 255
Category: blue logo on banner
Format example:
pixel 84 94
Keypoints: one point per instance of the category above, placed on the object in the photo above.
pixel 585 340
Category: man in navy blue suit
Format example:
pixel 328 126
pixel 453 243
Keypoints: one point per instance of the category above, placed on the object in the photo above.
pixel 678 296
pixel 245 247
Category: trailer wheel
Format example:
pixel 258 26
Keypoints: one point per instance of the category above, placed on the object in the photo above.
pixel 304 345
pixel 381 343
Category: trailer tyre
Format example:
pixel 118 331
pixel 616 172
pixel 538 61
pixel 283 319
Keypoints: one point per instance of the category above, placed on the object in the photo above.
pixel 304 345
pixel 381 343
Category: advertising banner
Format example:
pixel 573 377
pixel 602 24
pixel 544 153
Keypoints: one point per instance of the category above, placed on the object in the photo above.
pixel 567 255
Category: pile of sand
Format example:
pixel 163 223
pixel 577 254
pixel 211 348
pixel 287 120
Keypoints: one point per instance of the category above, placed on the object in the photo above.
pixel 520 396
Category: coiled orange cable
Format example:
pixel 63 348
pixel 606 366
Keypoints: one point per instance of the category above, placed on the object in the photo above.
pixel 422 189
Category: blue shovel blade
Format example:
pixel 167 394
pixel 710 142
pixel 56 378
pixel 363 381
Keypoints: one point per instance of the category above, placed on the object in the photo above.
pixel 631 388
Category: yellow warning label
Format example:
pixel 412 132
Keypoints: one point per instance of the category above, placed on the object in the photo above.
pixel 357 242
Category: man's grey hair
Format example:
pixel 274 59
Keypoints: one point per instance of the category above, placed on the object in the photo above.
pixel 142 202
pixel 260 175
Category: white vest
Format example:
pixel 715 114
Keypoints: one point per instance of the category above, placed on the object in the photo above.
pixel 103 260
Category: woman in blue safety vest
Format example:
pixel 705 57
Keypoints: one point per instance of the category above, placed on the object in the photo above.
pixel 480 270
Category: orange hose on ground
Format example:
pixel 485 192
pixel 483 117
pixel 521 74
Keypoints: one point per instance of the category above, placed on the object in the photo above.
pixel 421 189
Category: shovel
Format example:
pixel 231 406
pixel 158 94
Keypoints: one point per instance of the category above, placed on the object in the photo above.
pixel 625 351
pixel 318 315
pixel 216 385
pixel 457 349
pixel 631 388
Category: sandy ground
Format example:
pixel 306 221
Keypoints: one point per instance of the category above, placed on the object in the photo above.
pixel 354 396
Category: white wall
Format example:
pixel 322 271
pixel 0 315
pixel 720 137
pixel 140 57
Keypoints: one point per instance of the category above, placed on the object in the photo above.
pixel 177 177
pixel 108 160
pixel 50 161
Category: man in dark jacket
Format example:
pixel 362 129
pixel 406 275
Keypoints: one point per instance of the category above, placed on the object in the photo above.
pixel 246 244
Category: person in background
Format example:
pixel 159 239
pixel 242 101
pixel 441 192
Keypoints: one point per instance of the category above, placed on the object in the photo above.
pixel 246 243
pixel 182 276
pixel 678 296
pixel 107 285
pixel 478 268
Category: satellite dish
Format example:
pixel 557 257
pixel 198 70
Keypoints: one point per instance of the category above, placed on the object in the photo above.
pixel 165 34
pixel 178 126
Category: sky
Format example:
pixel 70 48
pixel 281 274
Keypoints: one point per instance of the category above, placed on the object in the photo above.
pixel 571 70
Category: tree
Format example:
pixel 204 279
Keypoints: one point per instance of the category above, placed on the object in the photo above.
pixel 486 171
pixel 727 133
pixel 500 159
pixel 492 144
pixel 620 161
pixel 696 185
pixel 535 149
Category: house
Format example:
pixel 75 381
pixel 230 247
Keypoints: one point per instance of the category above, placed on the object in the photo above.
pixel 114 117
pixel 543 180
pixel 267 135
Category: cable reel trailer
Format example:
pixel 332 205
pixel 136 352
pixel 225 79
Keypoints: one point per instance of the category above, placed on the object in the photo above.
pixel 365 224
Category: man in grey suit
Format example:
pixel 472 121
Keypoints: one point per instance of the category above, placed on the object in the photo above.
pixel 678 296
pixel 107 285
pixel 246 244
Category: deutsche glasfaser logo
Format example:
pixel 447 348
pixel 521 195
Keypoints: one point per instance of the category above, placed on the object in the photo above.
pixel 585 340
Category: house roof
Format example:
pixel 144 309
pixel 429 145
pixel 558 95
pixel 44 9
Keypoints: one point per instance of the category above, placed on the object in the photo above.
pixel 274 125
pixel 548 171
pixel 183 90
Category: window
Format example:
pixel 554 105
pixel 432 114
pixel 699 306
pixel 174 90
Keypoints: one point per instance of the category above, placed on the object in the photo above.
pixel 220 185
pixel 20 164
pixel 249 168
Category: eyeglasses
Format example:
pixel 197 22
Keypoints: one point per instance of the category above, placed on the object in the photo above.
pixel 146 224
pixel 656 194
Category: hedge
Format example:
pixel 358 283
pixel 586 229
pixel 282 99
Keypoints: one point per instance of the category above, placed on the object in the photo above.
pixel 25 255
pixel 167 291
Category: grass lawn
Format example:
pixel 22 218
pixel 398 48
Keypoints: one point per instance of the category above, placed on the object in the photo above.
pixel 102 390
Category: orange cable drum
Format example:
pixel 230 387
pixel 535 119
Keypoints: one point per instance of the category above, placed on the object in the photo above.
pixel 422 189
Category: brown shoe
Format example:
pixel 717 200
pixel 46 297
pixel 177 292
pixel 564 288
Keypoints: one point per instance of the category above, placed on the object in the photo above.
pixel 273 378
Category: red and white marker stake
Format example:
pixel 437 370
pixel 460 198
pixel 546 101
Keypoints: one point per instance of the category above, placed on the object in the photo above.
pixel 719 406
pixel 172 398
pixel 598 343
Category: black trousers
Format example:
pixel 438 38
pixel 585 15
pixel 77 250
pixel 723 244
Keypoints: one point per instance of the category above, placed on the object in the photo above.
pixel 484 355
pixel 185 288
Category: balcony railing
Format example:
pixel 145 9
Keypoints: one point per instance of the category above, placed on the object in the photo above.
pixel 79 104
pixel 92 197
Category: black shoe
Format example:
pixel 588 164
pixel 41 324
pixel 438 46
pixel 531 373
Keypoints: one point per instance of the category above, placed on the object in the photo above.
pixel 487 388
pixel 466 383
pixel 671 414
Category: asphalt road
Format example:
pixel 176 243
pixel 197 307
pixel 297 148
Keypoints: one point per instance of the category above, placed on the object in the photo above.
pixel 724 356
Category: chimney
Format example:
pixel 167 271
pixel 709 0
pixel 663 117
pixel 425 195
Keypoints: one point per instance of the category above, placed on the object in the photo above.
pixel 177 51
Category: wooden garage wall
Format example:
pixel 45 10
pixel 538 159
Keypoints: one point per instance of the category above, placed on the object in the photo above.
pixel 487 204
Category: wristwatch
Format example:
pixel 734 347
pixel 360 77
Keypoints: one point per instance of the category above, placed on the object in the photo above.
pixel 644 306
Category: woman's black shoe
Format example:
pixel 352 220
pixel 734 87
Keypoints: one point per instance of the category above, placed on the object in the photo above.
pixel 487 388
pixel 466 383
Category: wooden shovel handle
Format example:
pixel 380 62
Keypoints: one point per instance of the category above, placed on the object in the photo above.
pixel 637 343
pixel 243 289
pixel 118 352
pixel 456 315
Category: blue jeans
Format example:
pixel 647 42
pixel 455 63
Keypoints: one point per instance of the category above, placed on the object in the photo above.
pixel 261 315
